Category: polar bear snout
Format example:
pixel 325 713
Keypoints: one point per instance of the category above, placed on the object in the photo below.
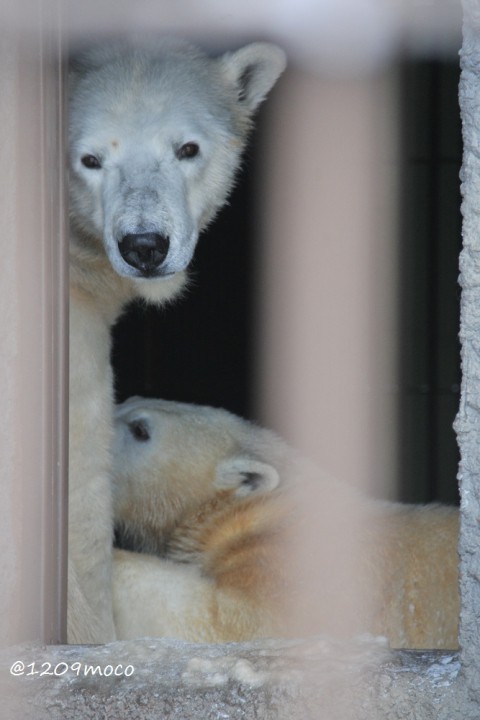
pixel 145 251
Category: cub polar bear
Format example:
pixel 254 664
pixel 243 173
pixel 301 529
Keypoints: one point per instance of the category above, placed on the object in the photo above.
pixel 156 134
pixel 216 507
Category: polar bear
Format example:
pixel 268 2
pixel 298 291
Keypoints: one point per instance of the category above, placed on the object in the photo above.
pixel 214 545
pixel 156 133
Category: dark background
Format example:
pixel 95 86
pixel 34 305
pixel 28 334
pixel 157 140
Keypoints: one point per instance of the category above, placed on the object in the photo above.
pixel 429 292
pixel 200 349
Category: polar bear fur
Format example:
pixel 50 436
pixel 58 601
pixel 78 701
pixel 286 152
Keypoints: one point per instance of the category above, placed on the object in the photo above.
pixel 218 544
pixel 156 134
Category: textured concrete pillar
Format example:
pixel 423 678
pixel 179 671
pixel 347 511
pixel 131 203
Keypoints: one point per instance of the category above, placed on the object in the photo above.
pixel 468 420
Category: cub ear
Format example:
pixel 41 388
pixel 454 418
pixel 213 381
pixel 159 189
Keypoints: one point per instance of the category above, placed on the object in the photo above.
pixel 246 476
pixel 254 69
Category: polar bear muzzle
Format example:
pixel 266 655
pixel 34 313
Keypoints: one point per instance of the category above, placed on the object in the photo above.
pixel 145 252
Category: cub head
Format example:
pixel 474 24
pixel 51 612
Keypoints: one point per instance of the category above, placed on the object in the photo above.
pixel 170 458
pixel 156 133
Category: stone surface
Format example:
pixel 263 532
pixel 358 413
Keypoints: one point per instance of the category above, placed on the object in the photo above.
pixel 467 423
pixel 271 679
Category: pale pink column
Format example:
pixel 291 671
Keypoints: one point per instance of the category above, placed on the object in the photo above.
pixel 33 283
pixel 327 288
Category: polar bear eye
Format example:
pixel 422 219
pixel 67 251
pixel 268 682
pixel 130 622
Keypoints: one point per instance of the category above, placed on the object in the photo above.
pixel 187 151
pixel 139 430
pixel 91 162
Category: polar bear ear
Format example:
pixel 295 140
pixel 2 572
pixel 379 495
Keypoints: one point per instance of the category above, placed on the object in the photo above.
pixel 254 69
pixel 246 476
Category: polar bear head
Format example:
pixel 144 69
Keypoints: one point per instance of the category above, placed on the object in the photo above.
pixel 156 134
pixel 171 458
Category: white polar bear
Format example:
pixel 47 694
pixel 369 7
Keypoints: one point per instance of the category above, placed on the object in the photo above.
pixel 156 134
pixel 214 508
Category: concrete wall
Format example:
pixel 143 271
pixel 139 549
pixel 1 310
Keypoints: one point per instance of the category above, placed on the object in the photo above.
pixel 467 424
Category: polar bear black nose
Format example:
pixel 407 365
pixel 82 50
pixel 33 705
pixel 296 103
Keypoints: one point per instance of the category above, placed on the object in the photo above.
pixel 144 251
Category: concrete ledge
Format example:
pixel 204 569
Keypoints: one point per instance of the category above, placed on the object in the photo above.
pixel 272 679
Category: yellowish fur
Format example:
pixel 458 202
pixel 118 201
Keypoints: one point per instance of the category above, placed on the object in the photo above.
pixel 234 561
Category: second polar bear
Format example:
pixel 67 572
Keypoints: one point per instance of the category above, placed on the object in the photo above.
pixel 239 538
